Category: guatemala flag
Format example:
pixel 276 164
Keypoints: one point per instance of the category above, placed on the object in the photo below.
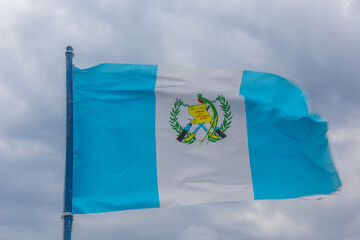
pixel 147 136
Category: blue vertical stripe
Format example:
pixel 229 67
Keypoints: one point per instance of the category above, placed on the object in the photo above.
pixel 114 107
pixel 288 148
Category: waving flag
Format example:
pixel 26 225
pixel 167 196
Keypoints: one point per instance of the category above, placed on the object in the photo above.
pixel 154 136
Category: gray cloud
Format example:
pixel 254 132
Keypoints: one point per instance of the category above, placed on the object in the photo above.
pixel 315 44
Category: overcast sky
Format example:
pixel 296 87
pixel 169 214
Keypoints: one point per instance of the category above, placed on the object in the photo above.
pixel 315 43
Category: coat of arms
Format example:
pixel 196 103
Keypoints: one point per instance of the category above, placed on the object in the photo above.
pixel 203 117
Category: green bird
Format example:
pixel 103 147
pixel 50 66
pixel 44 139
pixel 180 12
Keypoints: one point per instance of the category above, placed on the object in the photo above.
pixel 214 120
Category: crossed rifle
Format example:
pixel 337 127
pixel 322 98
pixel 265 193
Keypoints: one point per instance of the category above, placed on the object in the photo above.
pixel 200 121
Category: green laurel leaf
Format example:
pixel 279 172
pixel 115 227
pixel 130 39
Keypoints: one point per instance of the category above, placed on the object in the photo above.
pixel 174 123
pixel 226 123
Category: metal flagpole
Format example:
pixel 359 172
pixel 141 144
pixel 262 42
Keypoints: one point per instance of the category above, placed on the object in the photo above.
pixel 67 214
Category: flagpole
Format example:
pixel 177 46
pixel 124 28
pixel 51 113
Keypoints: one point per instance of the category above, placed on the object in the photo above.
pixel 67 213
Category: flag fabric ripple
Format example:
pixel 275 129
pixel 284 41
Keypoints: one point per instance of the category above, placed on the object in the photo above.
pixel 148 136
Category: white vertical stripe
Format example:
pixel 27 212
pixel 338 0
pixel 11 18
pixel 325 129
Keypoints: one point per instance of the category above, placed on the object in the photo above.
pixel 212 172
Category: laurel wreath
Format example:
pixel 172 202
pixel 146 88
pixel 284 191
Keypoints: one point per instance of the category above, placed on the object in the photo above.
pixel 225 125
pixel 174 123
